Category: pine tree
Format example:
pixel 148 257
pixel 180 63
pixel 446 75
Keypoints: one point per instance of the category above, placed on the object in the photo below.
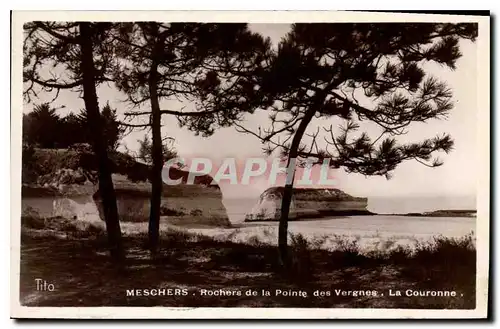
pixel 356 72
pixel 197 63
pixel 76 56
pixel 145 153
pixel 40 127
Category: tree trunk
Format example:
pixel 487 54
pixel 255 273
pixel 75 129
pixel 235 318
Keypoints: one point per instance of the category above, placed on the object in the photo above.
pixel 288 190
pixel 106 189
pixel 285 211
pixel 157 154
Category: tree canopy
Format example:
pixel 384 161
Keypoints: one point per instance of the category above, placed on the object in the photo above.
pixel 360 72
pixel 45 128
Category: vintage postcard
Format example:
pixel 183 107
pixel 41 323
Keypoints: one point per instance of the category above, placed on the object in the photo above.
pixel 250 165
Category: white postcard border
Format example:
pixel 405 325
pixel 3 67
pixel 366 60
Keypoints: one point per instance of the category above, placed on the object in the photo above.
pixel 483 183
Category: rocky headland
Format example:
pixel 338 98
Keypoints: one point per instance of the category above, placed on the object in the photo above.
pixel 308 203
pixel 324 202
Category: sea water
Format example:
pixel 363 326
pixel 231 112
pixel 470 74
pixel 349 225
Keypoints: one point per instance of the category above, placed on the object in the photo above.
pixel 369 232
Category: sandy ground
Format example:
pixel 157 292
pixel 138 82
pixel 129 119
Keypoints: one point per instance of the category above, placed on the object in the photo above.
pixel 370 233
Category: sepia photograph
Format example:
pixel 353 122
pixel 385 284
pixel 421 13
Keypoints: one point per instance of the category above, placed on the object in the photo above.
pixel 250 165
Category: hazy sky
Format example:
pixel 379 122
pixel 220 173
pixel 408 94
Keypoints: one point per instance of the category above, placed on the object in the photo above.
pixel 456 177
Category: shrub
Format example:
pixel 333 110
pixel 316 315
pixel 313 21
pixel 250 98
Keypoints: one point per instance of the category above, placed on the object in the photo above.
pixel 34 222
pixel 301 258
pixel 76 228
pixel 447 252
pixel 165 211
pixel 217 221
pixel 347 246
pixel 255 241
pixel 267 233
pixel 318 242
pixel 260 216
pixel 346 251
pixel 177 238
pixel 400 254
pixel 196 212
pixel 30 218
pixel 233 234
pixel 446 248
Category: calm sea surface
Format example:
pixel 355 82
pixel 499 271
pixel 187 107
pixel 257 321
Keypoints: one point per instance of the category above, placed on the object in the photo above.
pixel 369 231
pixel 237 208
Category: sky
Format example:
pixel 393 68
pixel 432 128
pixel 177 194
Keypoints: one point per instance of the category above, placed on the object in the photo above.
pixel 457 177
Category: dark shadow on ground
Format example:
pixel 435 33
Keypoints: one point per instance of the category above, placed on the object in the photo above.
pixel 83 275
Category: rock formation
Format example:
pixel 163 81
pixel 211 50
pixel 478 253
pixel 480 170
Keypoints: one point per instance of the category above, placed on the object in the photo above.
pixel 63 183
pixel 194 205
pixel 308 203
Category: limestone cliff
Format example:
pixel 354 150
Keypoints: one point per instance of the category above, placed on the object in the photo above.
pixel 307 203
pixel 63 183
pixel 194 205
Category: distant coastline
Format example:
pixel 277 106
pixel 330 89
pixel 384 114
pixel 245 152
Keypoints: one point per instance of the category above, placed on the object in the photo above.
pixel 470 213
pixel 439 213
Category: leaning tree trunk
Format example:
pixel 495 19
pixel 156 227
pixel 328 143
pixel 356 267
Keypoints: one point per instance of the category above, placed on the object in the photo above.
pixel 157 154
pixel 288 190
pixel 106 189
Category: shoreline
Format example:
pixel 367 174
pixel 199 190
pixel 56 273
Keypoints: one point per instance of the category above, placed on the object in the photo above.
pixel 354 213
pixel 439 213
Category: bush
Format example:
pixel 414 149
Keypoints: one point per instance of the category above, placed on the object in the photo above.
pixel 165 211
pixel 196 212
pixel 318 242
pixel 444 246
pixel 444 263
pixel 400 254
pixel 32 222
pixel 447 252
pixel 233 234
pixel 76 228
pixel 30 218
pixel 348 250
pixel 255 241
pixel 301 258
pixel 176 238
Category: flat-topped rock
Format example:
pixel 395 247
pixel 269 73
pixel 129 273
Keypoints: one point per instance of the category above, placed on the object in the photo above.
pixel 307 203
